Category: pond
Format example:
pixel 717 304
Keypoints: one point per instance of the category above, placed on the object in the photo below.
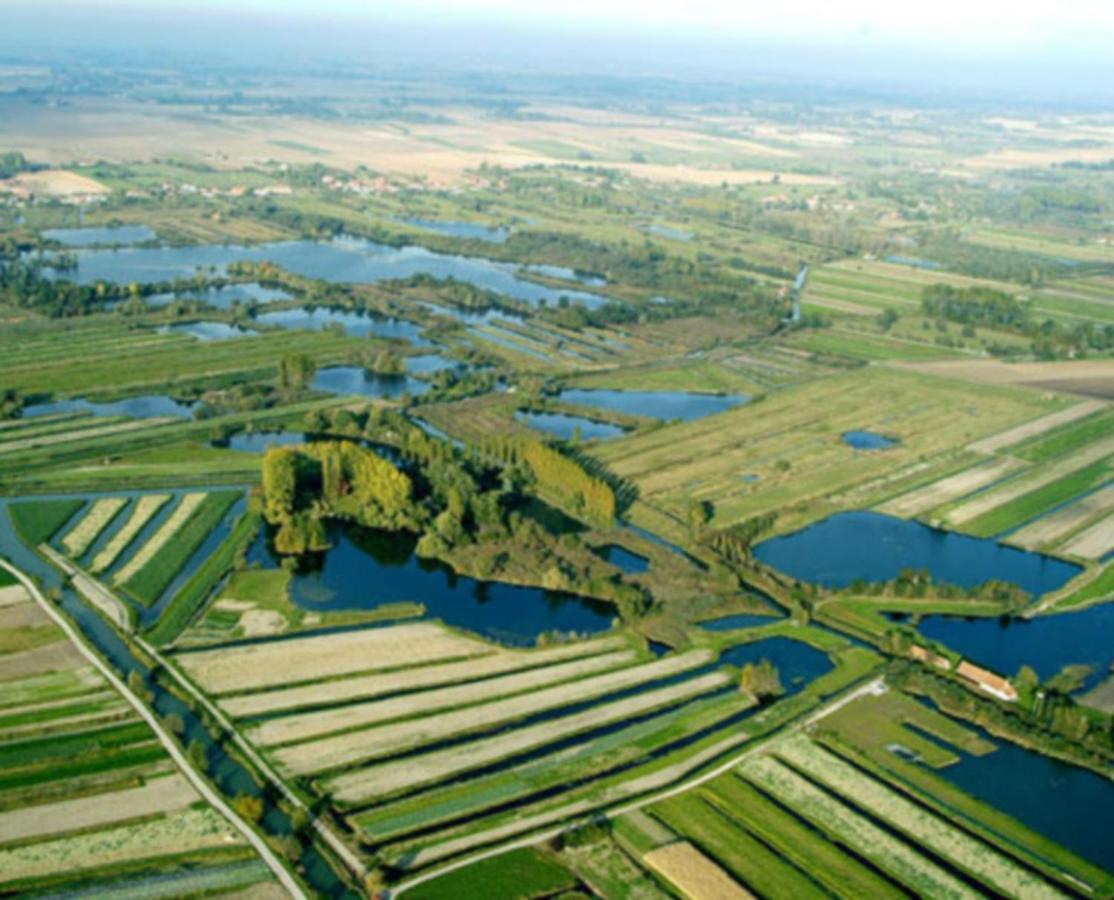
pixel 146 407
pixel 1047 643
pixel 359 382
pixel 367 568
pixel 867 440
pixel 431 363
pixel 469 230
pixel 664 405
pixel 631 563
pixel 797 663
pixel 564 426
pixel 1070 805
pixel 873 547
pixel 109 234
pixel 356 323
pixel 475 316
pixel 343 260
pixel 208 331
pixel 258 441
pixel 224 297
pixel 736 622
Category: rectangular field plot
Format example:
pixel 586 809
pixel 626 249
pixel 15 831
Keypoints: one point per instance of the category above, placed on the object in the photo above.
pixel 691 872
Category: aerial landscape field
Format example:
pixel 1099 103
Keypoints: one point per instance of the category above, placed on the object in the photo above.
pixel 457 473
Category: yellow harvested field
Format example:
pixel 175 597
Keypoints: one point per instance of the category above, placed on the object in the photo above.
pixel 414 771
pixel 192 829
pixel 1038 426
pixel 83 534
pixel 1025 159
pixel 22 615
pixel 157 796
pixel 369 743
pixel 301 726
pixel 951 488
pixel 1054 526
pixel 1080 458
pixel 693 874
pixel 145 507
pixel 292 660
pixel 1089 377
pixel 53 183
pixel 12 594
pixel 367 686
pixel 1094 542
pixel 186 507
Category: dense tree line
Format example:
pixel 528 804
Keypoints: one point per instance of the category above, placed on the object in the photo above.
pixel 980 306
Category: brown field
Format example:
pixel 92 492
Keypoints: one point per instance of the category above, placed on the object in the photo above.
pixel 951 488
pixel 1089 378
pixel 1062 522
pixel 56 183
pixel 693 874
pixel 13 594
pixel 49 658
pixel 1025 159
pixel 1038 426
pixel 1095 542
pixel 22 615
pixel 292 660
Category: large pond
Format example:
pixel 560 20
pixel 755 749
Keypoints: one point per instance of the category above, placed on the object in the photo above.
pixel 664 405
pixel 90 237
pixel 146 407
pixel 347 260
pixel 565 427
pixel 358 382
pixel 354 322
pixel 469 230
pixel 874 547
pixel 367 568
pixel 1046 643
pixel 225 296
pixel 1070 805
pixel 631 563
pixel 797 663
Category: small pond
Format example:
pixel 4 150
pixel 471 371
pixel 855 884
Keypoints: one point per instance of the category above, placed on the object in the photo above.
pixel 797 663
pixel 564 426
pixel 468 230
pixel 146 407
pixel 736 621
pixel 631 563
pixel 874 547
pixel 208 331
pixel 431 363
pixel 475 316
pixel 867 440
pixel 110 234
pixel 367 568
pixel 354 322
pixel 359 382
pixel 258 441
pixel 665 405
pixel 224 297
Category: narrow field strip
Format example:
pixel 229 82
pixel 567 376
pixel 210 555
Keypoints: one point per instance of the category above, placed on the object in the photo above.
pixel 291 660
pixel 1051 528
pixel 1027 430
pixel 926 829
pixel 186 507
pixel 1030 482
pixel 951 488
pixel 1094 542
pixel 65 437
pixel 193 829
pixel 369 743
pixel 390 778
pixel 424 703
pixel 364 687
pixel 693 874
pixel 103 511
pixel 142 513
pixel 157 796
pixel 847 826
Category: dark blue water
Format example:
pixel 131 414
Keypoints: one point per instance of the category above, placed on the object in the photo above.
pixel 874 547
pixel 564 426
pixel 355 323
pixel 468 230
pixel 1070 805
pixel 146 407
pixel 867 440
pixel 1047 643
pixel 224 297
pixel 367 568
pixel 258 441
pixel 344 260
pixel 735 622
pixel 88 237
pixel 665 405
pixel 797 663
pixel 358 382
pixel 208 331
pixel 631 563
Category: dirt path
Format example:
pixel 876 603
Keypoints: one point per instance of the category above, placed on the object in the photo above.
pixel 107 603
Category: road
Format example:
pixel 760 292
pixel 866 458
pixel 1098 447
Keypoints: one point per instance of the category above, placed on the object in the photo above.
pixel 873 687
pixel 260 846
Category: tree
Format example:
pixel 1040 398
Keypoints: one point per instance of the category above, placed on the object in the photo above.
pixel 296 371
pixel 760 680
pixel 197 756
pixel 248 807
